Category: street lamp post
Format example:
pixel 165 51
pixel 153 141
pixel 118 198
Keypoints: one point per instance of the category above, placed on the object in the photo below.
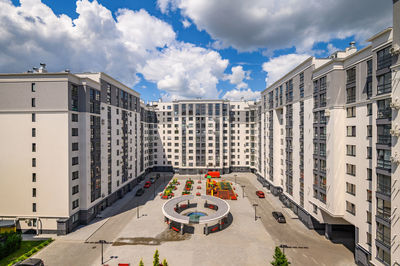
pixel 235 179
pixel 137 211
pixel 102 242
pixel 255 211
pixel 243 186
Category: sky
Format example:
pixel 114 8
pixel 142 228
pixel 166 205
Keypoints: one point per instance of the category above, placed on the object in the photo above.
pixel 183 49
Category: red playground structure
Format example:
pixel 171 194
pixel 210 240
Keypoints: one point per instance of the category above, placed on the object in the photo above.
pixel 212 174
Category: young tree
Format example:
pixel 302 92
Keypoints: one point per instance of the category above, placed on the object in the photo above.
pixel 141 262
pixel 156 261
pixel 165 263
pixel 279 258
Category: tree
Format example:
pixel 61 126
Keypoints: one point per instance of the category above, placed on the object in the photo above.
pixel 141 262
pixel 156 261
pixel 279 258
pixel 164 263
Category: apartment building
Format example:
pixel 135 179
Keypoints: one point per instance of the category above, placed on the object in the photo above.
pixel 199 135
pixel 337 119
pixel 71 146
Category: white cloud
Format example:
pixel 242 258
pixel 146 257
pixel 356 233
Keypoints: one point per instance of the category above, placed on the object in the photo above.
pixel 276 24
pixel 96 41
pixel 186 23
pixel 331 48
pixel 238 95
pixel 238 76
pixel 186 71
pixel 278 66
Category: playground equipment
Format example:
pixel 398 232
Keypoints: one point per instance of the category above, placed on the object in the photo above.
pixel 221 189
pixel 212 174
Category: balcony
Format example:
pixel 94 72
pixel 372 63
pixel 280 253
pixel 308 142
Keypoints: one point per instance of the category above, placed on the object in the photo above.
pixel 384 189
pixel 383 164
pixel 385 114
pixel 384 139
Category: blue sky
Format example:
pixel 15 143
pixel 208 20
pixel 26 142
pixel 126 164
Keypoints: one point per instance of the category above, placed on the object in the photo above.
pixel 220 53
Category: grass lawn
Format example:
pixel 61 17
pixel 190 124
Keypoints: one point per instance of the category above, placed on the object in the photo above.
pixel 25 247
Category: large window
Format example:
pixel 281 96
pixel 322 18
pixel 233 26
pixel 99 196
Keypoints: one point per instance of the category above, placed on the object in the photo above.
pixel 385 83
pixel 383 157
pixel 384 184
pixel 351 131
pixel 384 58
pixel 351 208
pixel 351 150
pixel 383 209
pixel 350 169
pixel 351 188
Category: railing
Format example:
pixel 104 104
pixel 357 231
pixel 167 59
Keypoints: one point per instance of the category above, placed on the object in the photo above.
pixel 384 213
pixel 380 236
pixel 384 189
pixel 385 113
pixel 384 88
pixel 384 139
pixel 387 165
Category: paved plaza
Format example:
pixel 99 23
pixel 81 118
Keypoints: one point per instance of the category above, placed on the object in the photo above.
pixel 244 242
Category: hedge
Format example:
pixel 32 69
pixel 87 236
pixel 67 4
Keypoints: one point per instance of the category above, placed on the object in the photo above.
pixel 12 243
pixel 31 252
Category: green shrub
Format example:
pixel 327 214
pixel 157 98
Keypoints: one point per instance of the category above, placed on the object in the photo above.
pixel 12 243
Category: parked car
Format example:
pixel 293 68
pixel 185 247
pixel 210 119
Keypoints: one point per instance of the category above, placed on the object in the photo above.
pixel 31 262
pixel 279 217
pixel 147 184
pixel 260 194
pixel 152 180
pixel 139 192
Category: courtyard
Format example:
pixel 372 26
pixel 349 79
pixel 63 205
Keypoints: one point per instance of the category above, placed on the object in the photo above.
pixel 134 227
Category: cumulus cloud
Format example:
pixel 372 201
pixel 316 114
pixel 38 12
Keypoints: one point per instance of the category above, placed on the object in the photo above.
pixel 238 76
pixel 279 66
pixel 238 95
pixel 186 71
pixel 96 41
pixel 275 24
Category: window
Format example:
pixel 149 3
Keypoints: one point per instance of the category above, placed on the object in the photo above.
pixel 351 111
pixel 383 234
pixel 33 207
pixel 75 175
pixel 351 131
pixel 351 75
pixel 351 95
pixel 33 102
pixel 350 208
pixel 33 147
pixel 384 83
pixel 34 192
pixel 383 255
pixel 369 131
pixel 351 188
pixel 369 109
pixel 369 195
pixel 33 87
pixel 369 217
pixel 33 177
pixel 33 117
pixel 74 118
pixel 369 174
pixel 75 204
pixel 33 132
pixel 384 58
pixel 351 150
pixel 75 146
pixel 75 189
pixel 351 169
pixel 33 162
pixel 369 239
pixel 74 132
pixel 75 160
pixel 369 152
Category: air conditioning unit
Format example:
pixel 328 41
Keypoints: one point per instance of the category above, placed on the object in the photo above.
pixel 395 104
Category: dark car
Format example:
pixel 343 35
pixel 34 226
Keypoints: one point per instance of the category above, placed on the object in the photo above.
pixel 31 262
pixel 260 194
pixel 139 192
pixel 152 180
pixel 279 217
